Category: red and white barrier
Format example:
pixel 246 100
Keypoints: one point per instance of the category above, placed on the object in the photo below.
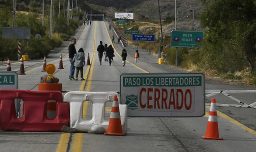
pixel 34 111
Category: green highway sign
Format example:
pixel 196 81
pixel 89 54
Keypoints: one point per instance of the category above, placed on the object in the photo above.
pixel 122 22
pixel 186 38
pixel 131 31
pixel 8 80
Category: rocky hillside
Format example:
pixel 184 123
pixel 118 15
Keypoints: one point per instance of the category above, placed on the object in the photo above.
pixel 188 11
pixel 148 9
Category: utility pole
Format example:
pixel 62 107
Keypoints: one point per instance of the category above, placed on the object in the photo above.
pixel 76 6
pixel 51 28
pixel 72 6
pixel 175 17
pixel 43 14
pixel 59 9
pixel 14 13
pixel 68 11
pixel 175 28
pixel 193 17
pixel 161 30
pixel 91 17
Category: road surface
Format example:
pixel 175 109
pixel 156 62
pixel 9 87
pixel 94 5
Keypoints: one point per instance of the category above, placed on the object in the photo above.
pixel 144 134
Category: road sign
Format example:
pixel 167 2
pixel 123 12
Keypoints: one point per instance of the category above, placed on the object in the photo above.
pixel 139 37
pixel 8 80
pixel 186 38
pixel 131 31
pixel 122 22
pixel 16 33
pixel 124 16
pixel 165 94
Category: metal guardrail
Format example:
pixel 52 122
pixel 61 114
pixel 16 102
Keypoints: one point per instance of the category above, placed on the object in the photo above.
pixel 119 34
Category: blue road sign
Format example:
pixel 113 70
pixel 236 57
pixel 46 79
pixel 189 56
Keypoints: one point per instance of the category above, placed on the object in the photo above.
pixel 139 37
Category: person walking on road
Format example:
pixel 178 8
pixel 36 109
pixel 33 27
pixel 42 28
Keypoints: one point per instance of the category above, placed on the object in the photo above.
pixel 110 54
pixel 136 56
pixel 113 38
pixel 71 54
pixel 124 55
pixel 79 62
pixel 105 52
pixel 119 39
pixel 100 50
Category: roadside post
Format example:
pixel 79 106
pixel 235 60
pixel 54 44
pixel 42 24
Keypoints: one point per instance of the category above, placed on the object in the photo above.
pixel 163 94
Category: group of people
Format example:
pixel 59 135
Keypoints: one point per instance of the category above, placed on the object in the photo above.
pixel 108 52
pixel 124 56
pixel 77 61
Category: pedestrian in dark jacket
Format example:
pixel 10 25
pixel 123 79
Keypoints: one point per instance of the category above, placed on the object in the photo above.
pixel 136 56
pixel 110 54
pixel 113 38
pixel 105 52
pixel 124 55
pixel 71 54
pixel 79 62
pixel 100 50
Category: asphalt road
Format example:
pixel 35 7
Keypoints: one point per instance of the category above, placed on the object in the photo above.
pixel 147 134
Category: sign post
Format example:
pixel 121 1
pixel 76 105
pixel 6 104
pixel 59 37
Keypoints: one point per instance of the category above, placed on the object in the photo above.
pixel 8 80
pixel 165 94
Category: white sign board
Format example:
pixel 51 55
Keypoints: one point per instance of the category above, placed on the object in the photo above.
pixel 165 94
pixel 124 16
pixel 8 80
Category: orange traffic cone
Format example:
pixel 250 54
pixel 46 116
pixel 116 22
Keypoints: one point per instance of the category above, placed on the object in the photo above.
pixel 88 60
pixel 212 130
pixel 61 63
pixel 8 65
pixel 114 126
pixel 44 65
pixel 22 69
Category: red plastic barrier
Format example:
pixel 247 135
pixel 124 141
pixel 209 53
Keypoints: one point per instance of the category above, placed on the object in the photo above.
pixel 34 117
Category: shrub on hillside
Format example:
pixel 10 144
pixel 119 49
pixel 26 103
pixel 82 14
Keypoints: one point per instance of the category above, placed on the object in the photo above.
pixel 8 49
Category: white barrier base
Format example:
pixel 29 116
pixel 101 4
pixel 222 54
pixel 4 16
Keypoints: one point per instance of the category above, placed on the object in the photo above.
pixel 97 124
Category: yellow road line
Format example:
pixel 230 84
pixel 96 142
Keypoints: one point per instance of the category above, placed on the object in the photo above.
pixel 82 86
pixel 235 122
pixel 224 116
pixel 77 142
pixel 63 142
pixel 120 55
